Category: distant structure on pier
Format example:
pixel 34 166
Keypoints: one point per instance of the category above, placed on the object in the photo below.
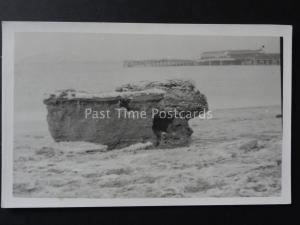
pixel 240 57
pixel 214 58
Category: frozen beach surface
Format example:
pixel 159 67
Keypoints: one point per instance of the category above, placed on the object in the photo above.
pixel 237 153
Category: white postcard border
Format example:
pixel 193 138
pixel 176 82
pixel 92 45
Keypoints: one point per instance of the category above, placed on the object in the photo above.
pixel 10 28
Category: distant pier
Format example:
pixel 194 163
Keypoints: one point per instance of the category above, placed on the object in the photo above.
pixel 214 58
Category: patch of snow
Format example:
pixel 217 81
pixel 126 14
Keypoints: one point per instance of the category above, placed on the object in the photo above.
pixel 138 146
pixel 72 94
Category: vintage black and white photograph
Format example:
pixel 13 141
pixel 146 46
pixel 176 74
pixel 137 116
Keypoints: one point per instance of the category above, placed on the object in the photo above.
pixel 145 116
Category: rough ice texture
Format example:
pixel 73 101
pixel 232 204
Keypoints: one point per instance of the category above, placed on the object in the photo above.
pixel 237 153
pixel 67 120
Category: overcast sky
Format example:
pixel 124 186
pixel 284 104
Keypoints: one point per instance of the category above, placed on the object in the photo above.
pixel 47 47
